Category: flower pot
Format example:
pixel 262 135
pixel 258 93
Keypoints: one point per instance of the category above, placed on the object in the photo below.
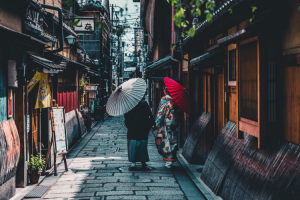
pixel 34 177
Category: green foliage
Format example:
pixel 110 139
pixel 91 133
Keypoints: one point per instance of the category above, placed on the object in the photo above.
pixel 191 32
pixel 120 30
pixel 174 2
pixel 298 7
pixel 90 28
pixel 210 5
pixel 254 8
pixel 83 83
pixel 113 31
pixel 69 3
pixel 178 16
pixel 36 164
pixel 76 21
pixel 102 26
pixel 174 47
pixel 209 17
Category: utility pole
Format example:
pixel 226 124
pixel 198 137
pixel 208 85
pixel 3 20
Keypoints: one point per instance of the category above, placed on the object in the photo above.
pixel 119 66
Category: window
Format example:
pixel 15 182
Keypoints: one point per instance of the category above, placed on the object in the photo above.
pixel 232 65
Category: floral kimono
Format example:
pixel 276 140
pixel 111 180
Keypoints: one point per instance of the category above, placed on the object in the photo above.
pixel 167 121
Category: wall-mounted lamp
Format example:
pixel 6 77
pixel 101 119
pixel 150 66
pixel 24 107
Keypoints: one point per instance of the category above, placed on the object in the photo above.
pixel 96 62
pixel 71 39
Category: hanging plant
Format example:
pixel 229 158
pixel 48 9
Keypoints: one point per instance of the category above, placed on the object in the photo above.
pixel 83 83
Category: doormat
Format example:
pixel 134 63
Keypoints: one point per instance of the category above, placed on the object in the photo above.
pixel 37 192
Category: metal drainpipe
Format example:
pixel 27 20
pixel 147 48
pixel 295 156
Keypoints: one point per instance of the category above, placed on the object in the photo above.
pixel 61 30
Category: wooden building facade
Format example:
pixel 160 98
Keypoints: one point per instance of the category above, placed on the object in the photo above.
pixel 156 19
pixel 33 41
pixel 241 72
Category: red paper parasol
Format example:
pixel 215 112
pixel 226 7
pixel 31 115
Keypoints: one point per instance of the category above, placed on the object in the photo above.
pixel 179 94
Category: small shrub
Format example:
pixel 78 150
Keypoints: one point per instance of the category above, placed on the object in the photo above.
pixel 36 164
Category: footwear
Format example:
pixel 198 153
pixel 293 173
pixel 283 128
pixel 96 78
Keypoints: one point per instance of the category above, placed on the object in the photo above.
pixel 169 164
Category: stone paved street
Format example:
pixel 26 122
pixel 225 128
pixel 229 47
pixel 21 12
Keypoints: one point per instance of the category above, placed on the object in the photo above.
pixel 100 171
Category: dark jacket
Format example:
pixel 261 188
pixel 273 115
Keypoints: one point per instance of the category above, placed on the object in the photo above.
pixel 139 121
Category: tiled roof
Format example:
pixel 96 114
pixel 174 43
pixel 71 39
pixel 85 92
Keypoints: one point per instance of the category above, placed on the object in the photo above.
pixel 222 10
pixel 48 64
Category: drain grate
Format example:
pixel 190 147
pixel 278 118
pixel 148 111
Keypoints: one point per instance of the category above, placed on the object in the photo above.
pixel 37 192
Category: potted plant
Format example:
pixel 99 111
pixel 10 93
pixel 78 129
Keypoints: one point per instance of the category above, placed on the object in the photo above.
pixel 35 166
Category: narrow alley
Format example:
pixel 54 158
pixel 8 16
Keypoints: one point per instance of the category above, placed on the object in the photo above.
pixel 100 170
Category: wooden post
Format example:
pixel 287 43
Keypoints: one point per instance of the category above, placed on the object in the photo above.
pixel 54 150
pixel 65 162
pixel 48 152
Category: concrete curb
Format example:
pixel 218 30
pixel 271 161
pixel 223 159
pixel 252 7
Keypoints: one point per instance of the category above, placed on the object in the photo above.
pixel 207 193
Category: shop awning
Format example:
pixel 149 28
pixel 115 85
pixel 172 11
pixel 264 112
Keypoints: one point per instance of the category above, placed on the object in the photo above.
pixel 200 59
pixel 11 35
pixel 48 65
pixel 93 72
pixel 160 63
pixel 69 61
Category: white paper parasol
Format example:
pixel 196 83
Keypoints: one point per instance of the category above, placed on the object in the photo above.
pixel 126 97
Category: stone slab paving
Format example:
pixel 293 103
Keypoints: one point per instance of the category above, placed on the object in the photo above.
pixel 100 170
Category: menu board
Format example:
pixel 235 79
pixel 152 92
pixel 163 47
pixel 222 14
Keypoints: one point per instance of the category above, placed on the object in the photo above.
pixel 60 130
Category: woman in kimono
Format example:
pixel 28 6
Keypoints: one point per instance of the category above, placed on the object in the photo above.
pixel 138 122
pixel 167 122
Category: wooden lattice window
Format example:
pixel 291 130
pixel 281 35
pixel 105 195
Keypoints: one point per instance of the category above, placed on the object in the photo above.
pixel 232 54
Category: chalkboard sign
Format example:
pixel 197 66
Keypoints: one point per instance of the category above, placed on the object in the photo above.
pixel 60 129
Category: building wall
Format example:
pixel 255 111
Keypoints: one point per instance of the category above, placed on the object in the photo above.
pixel 3 85
pixel 10 19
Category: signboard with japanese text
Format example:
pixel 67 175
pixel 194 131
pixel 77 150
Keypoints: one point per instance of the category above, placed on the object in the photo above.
pixel 85 25
pixel 91 88
pixel 60 129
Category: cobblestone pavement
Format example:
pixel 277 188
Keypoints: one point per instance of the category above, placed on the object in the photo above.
pixel 100 171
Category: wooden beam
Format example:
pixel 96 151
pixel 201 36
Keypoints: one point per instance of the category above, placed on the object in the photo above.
pixel 258 96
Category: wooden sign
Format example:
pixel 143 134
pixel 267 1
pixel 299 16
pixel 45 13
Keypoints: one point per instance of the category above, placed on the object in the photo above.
pixel 58 139
pixel 91 88
pixel 60 129
pixel 85 25
pixel 92 94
